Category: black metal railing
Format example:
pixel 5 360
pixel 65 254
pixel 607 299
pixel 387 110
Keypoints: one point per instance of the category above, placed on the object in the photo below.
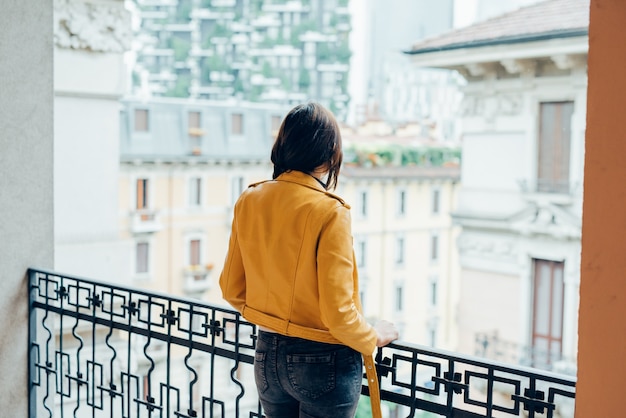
pixel 105 350
pixel 490 345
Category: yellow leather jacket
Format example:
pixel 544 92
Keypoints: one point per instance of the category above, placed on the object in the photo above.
pixel 290 265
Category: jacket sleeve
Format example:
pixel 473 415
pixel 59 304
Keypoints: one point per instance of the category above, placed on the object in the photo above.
pixel 233 277
pixel 338 284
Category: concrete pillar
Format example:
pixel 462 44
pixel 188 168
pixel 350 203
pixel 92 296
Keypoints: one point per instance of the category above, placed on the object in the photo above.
pixel 26 167
pixel 601 326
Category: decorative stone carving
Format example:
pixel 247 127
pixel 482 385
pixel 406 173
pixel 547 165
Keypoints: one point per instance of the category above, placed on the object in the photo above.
pixel 491 106
pixel 502 248
pixel 92 26
pixel 472 105
pixel 569 62
pixel 510 105
pixel 542 218
pixel 484 69
pixel 524 67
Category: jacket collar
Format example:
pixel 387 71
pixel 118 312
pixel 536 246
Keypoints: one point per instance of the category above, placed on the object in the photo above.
pixel 301 178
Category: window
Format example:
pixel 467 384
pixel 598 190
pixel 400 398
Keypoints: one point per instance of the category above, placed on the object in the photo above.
pixel 142 122
pixel 276 121
pixel 400 250
pixel 194 252
pixel 434 247
pixel 554 146
pixel 435 202
pixel 433 290
pixel 195 260
pixel 399 298
pixel 237 124
pixel 142 254
pixel 361 252
pixel 362 298
pixel 195 191
pixel 363 203
pixel 142 194
pixel 401 202
pixel 432 335
pixel 194 120
pixel 547 324
pixel 236 188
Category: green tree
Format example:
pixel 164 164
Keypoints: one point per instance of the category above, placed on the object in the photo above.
pixel 304 79
pixel 267 70
pixel 183 11
pixel 324 53
pixel 343 53
pixel 181 48
pixel 181 88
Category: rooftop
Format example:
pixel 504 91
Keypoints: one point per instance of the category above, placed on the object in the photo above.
pixel 544 20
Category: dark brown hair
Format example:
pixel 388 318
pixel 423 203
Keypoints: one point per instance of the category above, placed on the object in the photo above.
pixel 309 137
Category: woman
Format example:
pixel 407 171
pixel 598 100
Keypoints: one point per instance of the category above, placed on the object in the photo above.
pixel 290 269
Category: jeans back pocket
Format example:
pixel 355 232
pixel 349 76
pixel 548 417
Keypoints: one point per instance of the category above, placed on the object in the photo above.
pixel 312 375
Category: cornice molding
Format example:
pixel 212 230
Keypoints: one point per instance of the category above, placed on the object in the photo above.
pixel 96 27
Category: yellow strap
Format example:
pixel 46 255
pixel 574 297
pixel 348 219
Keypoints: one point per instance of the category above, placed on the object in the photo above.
pixel 372 383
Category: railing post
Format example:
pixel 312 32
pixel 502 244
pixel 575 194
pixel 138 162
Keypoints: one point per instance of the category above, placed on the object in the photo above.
pixel 32 337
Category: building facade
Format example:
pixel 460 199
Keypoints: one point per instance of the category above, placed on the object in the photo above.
pixel 520 202
pixel 184 164
pixel 404 243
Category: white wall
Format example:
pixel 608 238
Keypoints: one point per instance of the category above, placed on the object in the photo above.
pixel 88 82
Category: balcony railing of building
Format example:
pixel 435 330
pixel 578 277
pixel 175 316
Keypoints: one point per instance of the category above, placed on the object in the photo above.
pixel 103 350
pixel 490 345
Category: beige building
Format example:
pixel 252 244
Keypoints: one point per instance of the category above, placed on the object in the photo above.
pixel 177 213
pixel 177 209
pixel 404 242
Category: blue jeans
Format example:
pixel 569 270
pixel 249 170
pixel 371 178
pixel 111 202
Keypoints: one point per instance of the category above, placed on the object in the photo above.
pixel 306 379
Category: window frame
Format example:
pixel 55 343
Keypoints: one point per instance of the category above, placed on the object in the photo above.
pixel 434 247
pixel 554 146
pixel 141 124
pixel 435 198
pixel 194 116
pixel 433 282
pixel 400 250
pixel 237 187
pixel 195 192
pixel 401 201
pixel 146 195
pixel 360 250
pixel 558 291
pixel 237 127
pixel 399 296
pixel 147 274
pixel 363 203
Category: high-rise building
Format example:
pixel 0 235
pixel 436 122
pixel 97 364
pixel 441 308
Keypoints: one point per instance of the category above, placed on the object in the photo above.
pixel 383 83
pixel 280 51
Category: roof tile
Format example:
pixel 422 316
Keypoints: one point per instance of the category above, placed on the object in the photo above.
pixel 551 16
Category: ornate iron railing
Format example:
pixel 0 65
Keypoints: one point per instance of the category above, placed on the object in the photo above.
pixel 490 345
pixel 104 350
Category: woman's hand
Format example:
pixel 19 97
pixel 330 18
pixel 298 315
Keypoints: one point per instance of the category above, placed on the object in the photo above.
pixel 386 332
